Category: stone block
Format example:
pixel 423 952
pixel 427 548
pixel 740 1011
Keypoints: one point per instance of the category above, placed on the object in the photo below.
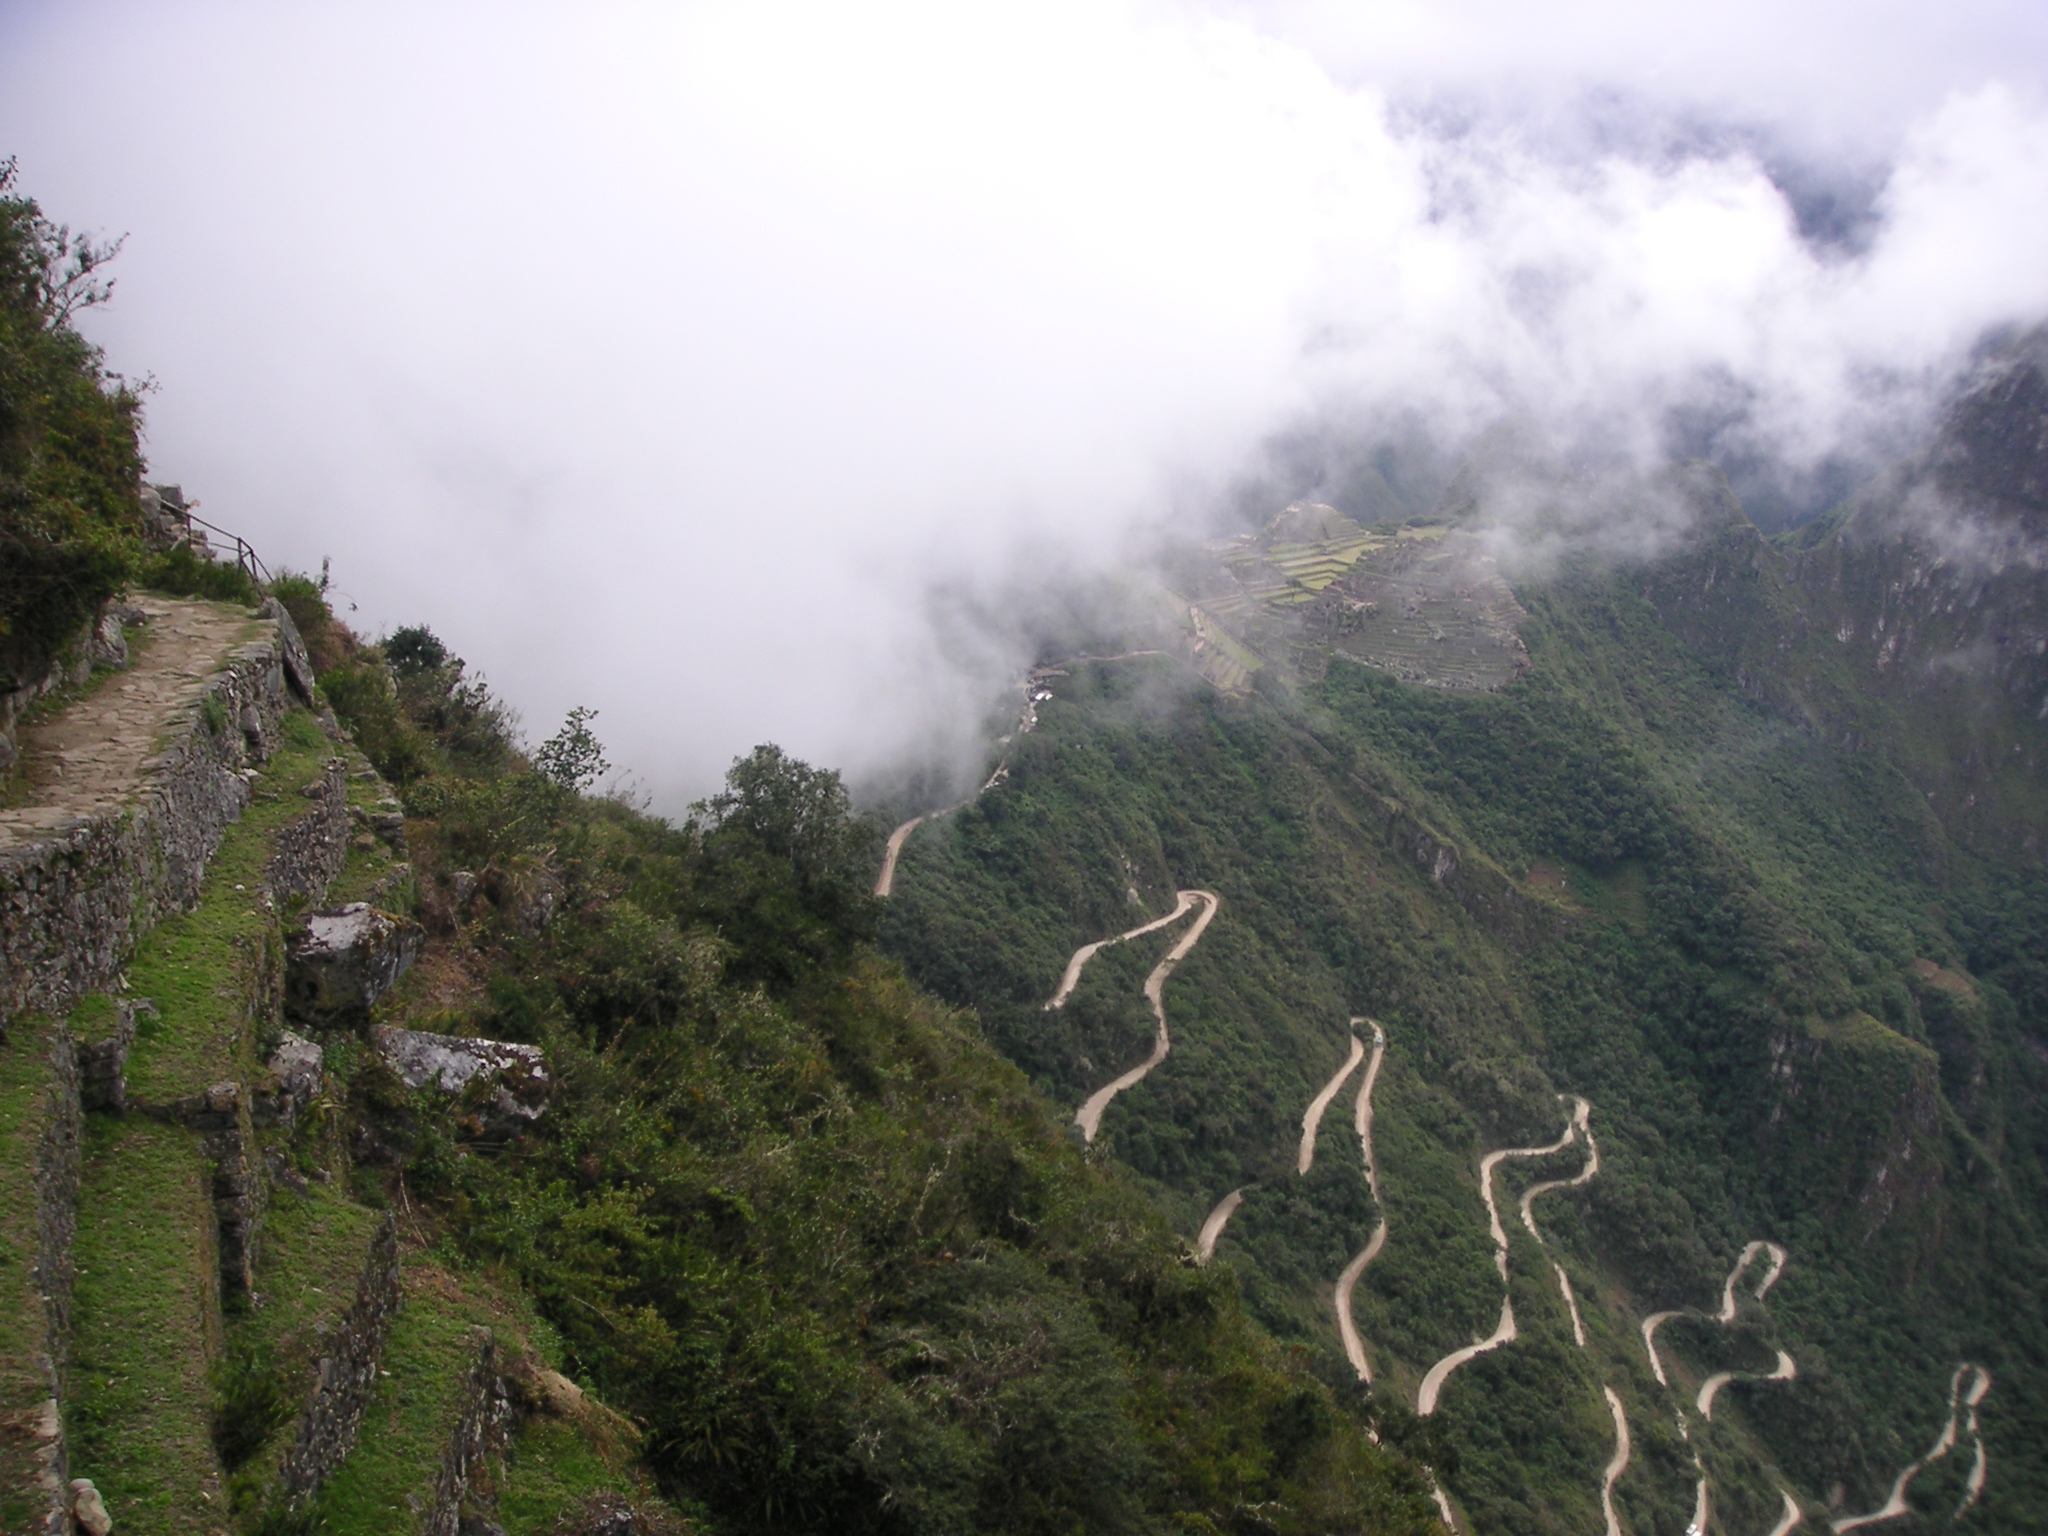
pixel 344 960
pixel 507 1084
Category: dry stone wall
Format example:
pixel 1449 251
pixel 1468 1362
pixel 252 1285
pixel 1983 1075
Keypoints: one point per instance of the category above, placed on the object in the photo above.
pixel 348 1375
pixel 482 1431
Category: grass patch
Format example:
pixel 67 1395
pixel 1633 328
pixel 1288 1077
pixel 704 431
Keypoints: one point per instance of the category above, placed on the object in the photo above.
pixel 418 1399
pixel 307 1268
pixel 554 1469
pixel 143 1331
pixel 201 968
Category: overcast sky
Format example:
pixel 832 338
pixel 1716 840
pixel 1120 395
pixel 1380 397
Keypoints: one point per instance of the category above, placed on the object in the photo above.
pixel 670 359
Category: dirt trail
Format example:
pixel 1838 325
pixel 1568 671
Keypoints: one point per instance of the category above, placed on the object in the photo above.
pixel 1504 1331
pixel 1711 1387
pixel 1347 1282
pixel 1726 1315
pixel 1616 1465
pixel 885 883
pixel 1789 1520
pixel 1651 1324
pixel 1571 1304
pixel 1581 1122
pixel 1027 721
pixel 1089 1116
pixel 1212 1228
pixel 1071 976
pixel 1749 1253
pixel 1958 1401
pixel 92 754
pixel 1582 1119
pixel 1312 1120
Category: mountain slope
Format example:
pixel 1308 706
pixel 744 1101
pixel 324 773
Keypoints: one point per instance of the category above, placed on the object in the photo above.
pixel 1764 897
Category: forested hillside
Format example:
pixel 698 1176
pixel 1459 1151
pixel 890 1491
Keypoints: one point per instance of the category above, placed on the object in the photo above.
pixel 832 1255
pixel 1725 889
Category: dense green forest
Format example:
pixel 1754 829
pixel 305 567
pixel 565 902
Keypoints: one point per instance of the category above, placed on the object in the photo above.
pixel 1799 1012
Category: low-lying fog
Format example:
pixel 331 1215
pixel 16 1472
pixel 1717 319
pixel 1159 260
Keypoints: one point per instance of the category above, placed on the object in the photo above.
pixel 740 370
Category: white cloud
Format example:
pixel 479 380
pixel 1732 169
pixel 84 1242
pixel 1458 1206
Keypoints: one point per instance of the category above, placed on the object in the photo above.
pixel 664 359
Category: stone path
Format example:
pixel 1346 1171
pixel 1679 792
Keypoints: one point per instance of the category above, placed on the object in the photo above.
pixel 92 754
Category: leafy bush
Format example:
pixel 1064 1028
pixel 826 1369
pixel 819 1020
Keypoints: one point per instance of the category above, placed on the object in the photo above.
pixel 572 759
pixel 414 649
pixel 366 701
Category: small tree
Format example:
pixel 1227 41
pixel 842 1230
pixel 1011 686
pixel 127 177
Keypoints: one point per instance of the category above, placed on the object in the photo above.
pixel 572 759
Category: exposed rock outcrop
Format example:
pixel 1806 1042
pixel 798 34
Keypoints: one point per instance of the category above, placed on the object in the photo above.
pixel 296 1076
pixel 507 1085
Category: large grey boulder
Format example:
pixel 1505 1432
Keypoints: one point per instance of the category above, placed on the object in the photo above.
pixel 507 1085
pixel 344 960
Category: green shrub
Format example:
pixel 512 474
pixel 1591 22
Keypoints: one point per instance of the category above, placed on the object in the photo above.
pixel 365 701
pixel 182 573
pixel 328 642
pixel 415 649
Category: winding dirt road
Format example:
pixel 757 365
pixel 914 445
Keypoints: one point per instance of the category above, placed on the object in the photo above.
pixel 1958 1402
pixel 1027 721
pixel 1212 1228
pixel 1089 1116
pixel 1070 978
pixel 1504 1331
pixel 1347 1282
pixel 885 883
pixel 1312 1119
pixel 1789 1520
pixel 1616 1465
pixel 1726 1315
pixel 1311 1122
pixel 1711 1387
pixel 1582 1119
